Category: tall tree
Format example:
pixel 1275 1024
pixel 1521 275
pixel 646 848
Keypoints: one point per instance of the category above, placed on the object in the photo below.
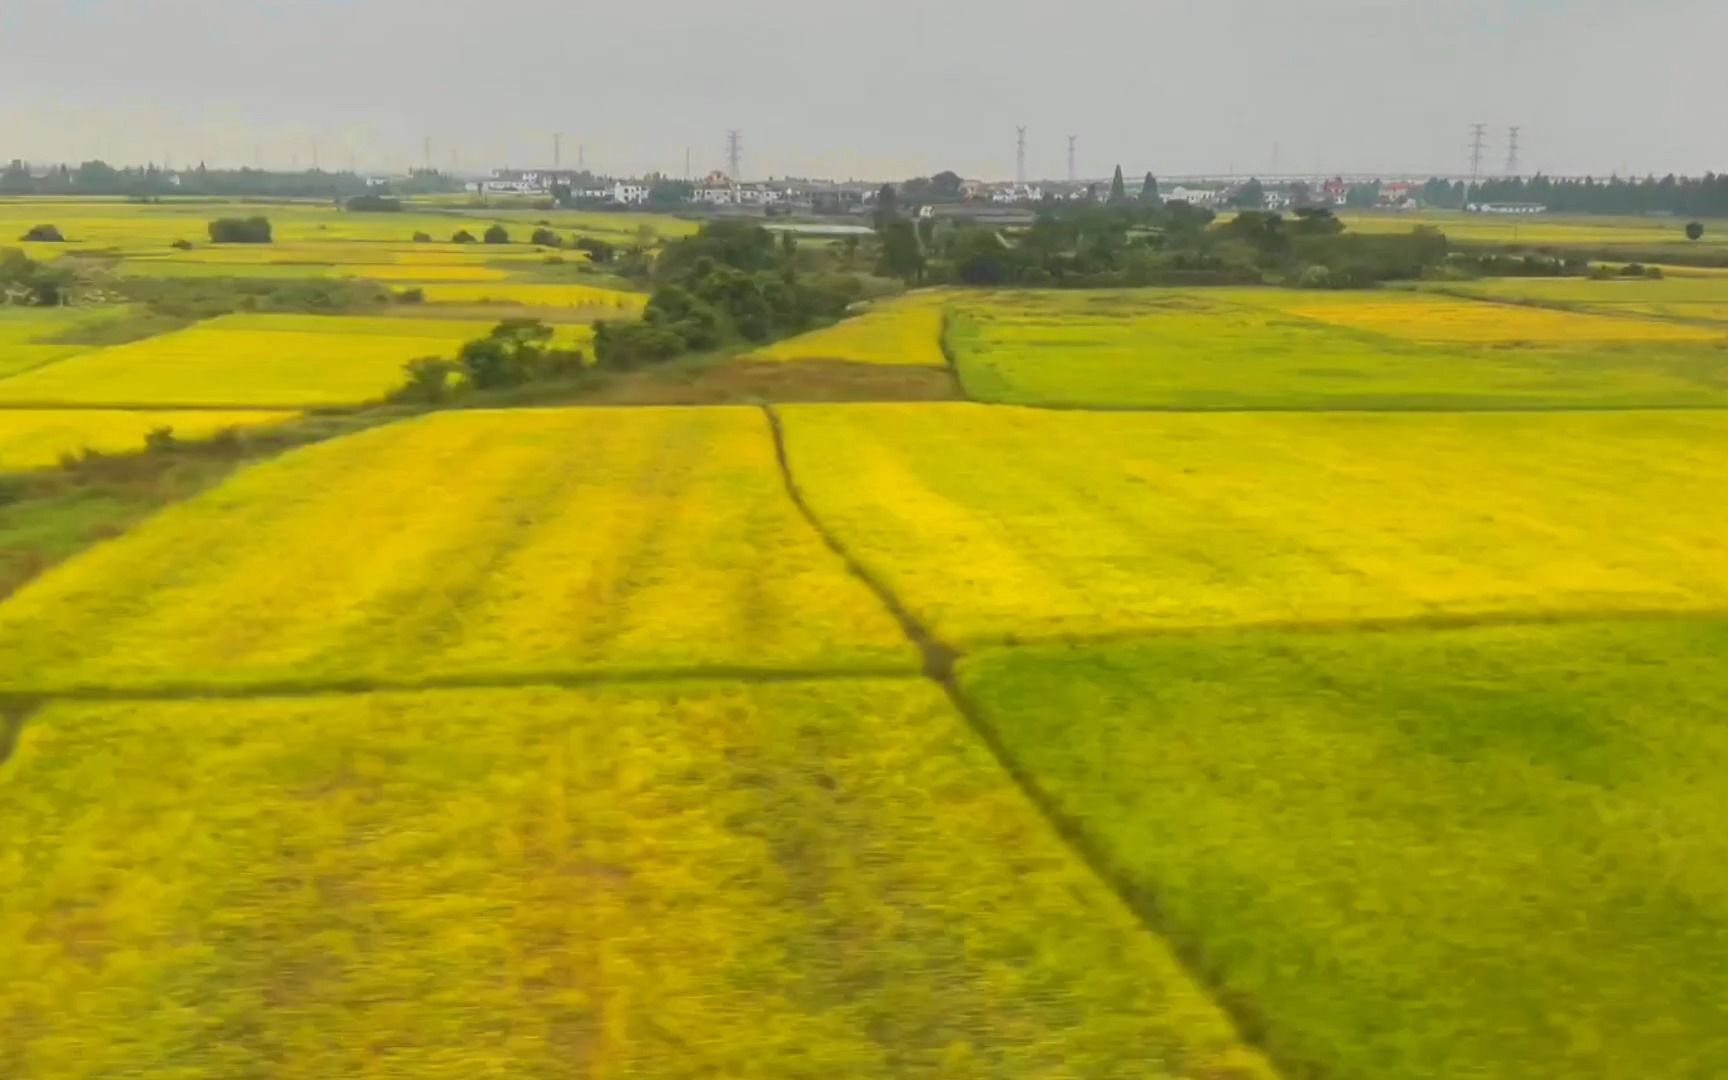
pixel 887 206
pixel 1251 196
pixel 1118 190
pixel 1149 191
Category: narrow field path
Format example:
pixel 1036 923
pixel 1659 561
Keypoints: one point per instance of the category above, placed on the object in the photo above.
pixel 940 660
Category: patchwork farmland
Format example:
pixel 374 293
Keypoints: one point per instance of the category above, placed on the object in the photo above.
pixel 1243 683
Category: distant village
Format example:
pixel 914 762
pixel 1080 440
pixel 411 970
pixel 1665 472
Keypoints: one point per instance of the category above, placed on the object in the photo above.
pixel 976 198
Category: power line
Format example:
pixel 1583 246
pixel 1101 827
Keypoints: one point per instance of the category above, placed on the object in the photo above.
pixel 734 154
pixel 1020 156
pixel 1512 151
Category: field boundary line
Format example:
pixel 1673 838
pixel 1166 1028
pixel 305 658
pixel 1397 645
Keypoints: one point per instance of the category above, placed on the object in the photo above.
pixel 938 656
pixel 941 662
pixel 1047 406
pixel 566 679
pixel 1391 624
pixel 13 715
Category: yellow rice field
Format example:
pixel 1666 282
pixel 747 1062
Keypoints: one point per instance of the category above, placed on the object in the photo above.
pixel 246 360
pixel 532 294
pixel 996 523
pixel 31 438
pixel 707 879
pixel 425 272
pixel 906 331
pixel 462 546
pixel 1439 319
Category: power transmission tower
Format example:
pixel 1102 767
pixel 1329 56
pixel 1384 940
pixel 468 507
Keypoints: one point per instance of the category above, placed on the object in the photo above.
pixel 734 154
pixel 1072 176
pixel 557 149
pixel 686 164
pixel 1020 156
pixel 426 152
pixel 1478 132
pixel 1512 151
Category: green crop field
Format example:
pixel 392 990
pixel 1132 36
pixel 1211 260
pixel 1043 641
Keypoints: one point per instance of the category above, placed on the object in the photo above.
pixel 27 336
pixel 1545 230
pixel 1490 852
pixel 794 880
pixel 1260 349
pixel 1701 299
pixel 994 523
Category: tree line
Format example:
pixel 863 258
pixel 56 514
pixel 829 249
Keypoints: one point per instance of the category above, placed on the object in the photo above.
pixel 1132 236
pixel 100 178
pixel 1682 196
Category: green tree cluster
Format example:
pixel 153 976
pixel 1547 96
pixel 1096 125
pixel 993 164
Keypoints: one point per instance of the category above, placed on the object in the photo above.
pixel 515 352
pixel 250 230
pixel 732 281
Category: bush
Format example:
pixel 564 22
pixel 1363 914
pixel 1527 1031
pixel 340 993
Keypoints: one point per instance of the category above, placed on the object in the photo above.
pixel 430 380
pixel 160 441
pixel 517 351
pixel 623 346
pixel 422 238
pixel 497 234
pixel 252 230
pixel 44 234
pixel 181 245
pixel 545 238
pixel 598 251
pixel 462 236
pixel 1695 230
pixel 415 295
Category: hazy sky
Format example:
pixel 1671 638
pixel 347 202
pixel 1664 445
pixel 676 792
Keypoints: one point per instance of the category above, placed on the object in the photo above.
pixel 889 88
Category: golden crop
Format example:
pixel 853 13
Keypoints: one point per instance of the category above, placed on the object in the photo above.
pixel 906 331
pixel 697 880
pixel 473 545
pixel 1429 318
pixel 246 360
pixel 996 523
pixel 535 294
pixel 30 438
